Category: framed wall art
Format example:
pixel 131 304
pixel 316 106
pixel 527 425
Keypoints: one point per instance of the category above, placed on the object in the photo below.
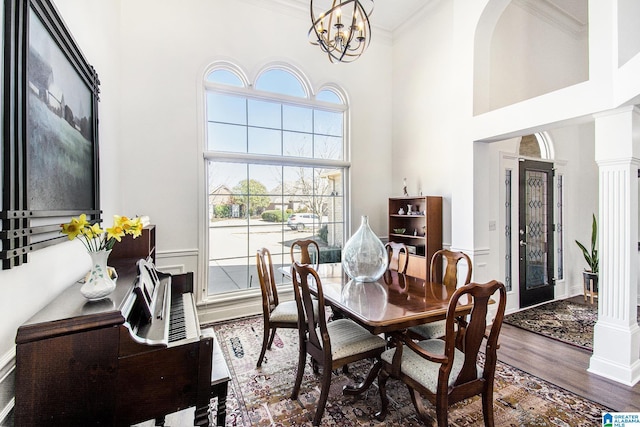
pixel 50 163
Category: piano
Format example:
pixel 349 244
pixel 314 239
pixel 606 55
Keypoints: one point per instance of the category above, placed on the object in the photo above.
pixel 137 355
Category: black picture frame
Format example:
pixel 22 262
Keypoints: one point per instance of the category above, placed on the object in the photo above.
pixel 50 156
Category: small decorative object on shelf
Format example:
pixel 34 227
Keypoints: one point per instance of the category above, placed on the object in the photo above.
pixel 100 281
pixel 409 212
pixel 400 211
pixel 364 257
pixel 404 187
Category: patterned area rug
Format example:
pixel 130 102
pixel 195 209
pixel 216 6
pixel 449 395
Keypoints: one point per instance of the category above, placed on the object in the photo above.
pixel 563 320
pixel 260 397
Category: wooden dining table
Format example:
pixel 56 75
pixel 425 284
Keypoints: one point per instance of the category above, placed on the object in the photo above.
pixel 393 303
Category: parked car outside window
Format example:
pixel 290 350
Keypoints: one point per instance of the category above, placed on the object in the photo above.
pixel 300 221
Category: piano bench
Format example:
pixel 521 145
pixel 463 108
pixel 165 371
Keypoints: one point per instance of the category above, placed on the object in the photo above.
pixel 220 378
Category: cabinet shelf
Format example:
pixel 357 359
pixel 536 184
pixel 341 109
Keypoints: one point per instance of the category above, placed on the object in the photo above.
pixel 428 224
pixel 409 236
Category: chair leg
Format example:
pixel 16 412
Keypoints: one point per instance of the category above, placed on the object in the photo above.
pixel 273 334
pixel 324 394
pixel 302 360
pixel 420 409
pixel 265 344
pixel 487 407
pixel 382 385
pixel 442 411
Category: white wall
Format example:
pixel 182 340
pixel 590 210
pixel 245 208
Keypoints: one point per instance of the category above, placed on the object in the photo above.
pixel 150 56
pixel 522 62
pixel 164 58
pixel 26 289
pixel 424 108
pixel 437 81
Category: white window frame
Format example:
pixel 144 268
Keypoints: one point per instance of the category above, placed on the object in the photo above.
pixel 250 92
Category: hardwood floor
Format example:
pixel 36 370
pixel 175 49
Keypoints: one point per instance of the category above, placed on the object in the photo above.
pixel 565 366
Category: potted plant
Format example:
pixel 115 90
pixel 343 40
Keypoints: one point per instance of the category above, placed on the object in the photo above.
pixel 590 276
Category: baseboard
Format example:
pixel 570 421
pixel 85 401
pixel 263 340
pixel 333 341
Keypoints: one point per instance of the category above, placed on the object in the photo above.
pixel 222 309
pixel 7 384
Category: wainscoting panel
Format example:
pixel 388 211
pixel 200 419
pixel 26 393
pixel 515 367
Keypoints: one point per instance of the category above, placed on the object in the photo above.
pixel 7 384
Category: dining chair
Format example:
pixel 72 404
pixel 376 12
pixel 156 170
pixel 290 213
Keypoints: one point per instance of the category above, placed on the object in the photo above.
pixel 447 371
pixel 306 248
pixel 394 249
pixel 275 314
pixel 331 345
pixel 451 260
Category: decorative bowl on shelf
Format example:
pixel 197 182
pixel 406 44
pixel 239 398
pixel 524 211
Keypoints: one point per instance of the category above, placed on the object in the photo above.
pixel 399 230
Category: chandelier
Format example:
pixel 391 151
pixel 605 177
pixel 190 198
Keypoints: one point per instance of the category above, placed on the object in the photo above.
pixel 343 31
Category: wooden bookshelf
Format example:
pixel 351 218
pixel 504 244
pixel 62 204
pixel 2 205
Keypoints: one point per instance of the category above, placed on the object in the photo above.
pixel 422 229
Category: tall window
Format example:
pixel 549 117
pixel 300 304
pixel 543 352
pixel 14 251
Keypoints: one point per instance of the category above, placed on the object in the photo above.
pixel 276 167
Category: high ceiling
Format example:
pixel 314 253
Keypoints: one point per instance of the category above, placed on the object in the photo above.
pixel 391 14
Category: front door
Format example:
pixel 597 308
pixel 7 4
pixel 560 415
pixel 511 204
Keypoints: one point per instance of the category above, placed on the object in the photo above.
pixel 536 232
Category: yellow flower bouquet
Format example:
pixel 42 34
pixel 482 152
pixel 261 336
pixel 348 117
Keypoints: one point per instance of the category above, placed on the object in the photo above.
pixel 96 239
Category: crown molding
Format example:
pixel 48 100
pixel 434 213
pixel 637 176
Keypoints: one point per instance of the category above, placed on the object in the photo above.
pixel 555 16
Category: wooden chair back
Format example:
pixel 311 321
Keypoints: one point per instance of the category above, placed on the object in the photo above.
pixel 471 333
pixel 275 314
pixel 451 260
pixel 318 346
pixel 266 277
pixel 308 251
pixel 467 337
pixel 394 249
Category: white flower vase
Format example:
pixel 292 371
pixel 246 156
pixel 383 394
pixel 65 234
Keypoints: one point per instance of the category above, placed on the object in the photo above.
pixel 364 257
pixel 98 283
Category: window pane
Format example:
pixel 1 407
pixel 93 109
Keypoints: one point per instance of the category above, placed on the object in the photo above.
pixel 297 118
pixel 328 96
pixel 297 144
pixel 250 206
pixel 223 137
pixel 327 123
pixel 224 77
pixel 265 141
pixel 328 147
pixel 226 108
pixel 265 114
pixel 281 81
pixel 224 189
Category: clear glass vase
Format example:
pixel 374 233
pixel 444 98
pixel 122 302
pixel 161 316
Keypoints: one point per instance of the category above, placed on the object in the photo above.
pixel 364 257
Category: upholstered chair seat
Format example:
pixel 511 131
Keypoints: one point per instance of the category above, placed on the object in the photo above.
pixel 348 338
pixel 424 371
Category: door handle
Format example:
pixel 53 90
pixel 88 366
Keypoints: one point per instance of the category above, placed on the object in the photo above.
pixel 523 243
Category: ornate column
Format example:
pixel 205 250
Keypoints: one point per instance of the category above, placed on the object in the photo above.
pixel 616 345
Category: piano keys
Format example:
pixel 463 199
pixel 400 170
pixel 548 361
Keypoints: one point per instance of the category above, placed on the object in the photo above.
pixel 137 355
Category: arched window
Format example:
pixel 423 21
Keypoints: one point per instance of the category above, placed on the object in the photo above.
pixel 536 146
pixel 275 161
